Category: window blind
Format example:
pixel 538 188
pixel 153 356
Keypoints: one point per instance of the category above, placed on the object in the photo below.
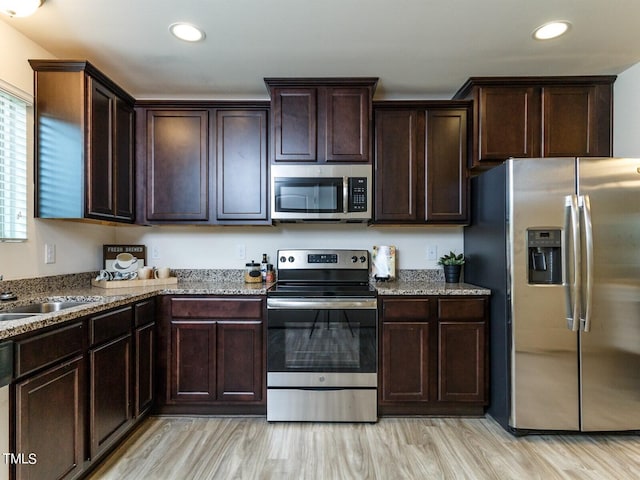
pixel 13 168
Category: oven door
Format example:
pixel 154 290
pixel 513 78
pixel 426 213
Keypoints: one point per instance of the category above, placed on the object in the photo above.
pixel 321 343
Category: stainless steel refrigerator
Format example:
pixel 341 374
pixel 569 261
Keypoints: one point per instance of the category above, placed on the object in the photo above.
pixel 557 240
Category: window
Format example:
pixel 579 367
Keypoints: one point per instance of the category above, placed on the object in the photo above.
pixel 13 167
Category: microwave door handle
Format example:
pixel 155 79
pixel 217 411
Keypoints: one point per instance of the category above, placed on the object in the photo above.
pixel 345 194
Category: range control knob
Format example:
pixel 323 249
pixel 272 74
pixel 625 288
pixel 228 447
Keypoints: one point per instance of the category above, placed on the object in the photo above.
pixel 283 259
pixel 354 259
pixel 363 259
pixel 291 259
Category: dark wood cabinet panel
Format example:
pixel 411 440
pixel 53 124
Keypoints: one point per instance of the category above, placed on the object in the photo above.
pixel 110 412
pixel 446 166
pixel 212 355
pixel 421 162
pixel 145 352
pixel 84 141
pixel 321 119
pixel 396 165
pixel 123 159
pixel 406 360
pixel 50 423
pixel 239 361
pixel 347 124
pixel 100 168
pixel 433 355
pixel 241 163
pixel 574 123
pixel 177 163
pixel 294 113
pixel 509 122
pixel 193 361
pixel 461 371
pixel 530 117
pixel 144 368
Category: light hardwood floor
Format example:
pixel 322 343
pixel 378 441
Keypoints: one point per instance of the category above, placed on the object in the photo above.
pixel 188 448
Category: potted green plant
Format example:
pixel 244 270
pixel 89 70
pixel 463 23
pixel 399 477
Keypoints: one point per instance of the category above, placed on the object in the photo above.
pixel 452 265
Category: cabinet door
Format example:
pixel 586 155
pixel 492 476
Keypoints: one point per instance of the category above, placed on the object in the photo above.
pixel 462 374
pixel 446 159
pixel 405 362
pixel 241 158
pixel 50 423
pixel 99 159
pixel 397 166
pixel 295 124
pixel 144 384
pixel 123 162
pixel 177 165
pixel 572 119
pixel 193 361
pixel 462 368
pixel 509 123
pixel 110 412
pixel 240 363
pixel 346 127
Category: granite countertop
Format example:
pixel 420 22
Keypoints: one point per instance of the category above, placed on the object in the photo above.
pixel 412 287
pixel 100 299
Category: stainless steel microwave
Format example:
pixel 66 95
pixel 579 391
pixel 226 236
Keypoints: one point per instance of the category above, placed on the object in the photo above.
pixel 339 193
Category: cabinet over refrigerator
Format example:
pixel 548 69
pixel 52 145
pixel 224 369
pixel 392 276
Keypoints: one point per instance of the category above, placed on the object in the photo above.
pixel 558 242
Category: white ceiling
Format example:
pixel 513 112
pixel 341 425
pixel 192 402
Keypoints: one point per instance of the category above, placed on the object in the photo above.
pixel 418 48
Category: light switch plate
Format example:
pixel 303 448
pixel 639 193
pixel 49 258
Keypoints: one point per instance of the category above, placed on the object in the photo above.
pixel 49 253
pixel 432 252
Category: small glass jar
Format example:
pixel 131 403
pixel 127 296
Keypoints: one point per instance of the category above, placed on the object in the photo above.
pixel 271 274
pixel 252 273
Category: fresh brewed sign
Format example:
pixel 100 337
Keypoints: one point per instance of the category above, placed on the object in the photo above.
pixel 124 258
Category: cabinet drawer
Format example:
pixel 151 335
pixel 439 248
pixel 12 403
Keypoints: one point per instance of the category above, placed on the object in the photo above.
pixel 406 309
pixel 471 308
pixel 110 325
pixel 45 349
pixel 144 312
pixel 214 308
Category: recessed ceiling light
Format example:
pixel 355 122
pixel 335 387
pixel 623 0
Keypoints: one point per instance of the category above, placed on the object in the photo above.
pixel 186 32
pixel 551 30
pixel 20 8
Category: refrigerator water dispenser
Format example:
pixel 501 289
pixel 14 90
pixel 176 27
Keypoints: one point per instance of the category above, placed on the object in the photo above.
pixel 545 256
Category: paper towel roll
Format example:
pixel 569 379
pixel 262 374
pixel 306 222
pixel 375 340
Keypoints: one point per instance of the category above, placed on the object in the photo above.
pixel 384 262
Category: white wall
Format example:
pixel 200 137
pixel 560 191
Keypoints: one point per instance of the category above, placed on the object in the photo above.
pixel 78 246
pixel 626 113
pixel 217 247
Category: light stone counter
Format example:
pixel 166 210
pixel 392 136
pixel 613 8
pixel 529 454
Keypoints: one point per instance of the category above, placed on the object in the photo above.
pixel 403 287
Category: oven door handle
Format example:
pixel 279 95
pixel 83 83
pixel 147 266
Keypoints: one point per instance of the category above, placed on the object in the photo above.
pixel 322 303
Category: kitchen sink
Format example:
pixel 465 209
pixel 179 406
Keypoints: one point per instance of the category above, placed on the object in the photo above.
pixel 5 317
pixel 44 307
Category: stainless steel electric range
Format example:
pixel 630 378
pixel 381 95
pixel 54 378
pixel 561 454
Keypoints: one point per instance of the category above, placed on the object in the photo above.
pixel 322 338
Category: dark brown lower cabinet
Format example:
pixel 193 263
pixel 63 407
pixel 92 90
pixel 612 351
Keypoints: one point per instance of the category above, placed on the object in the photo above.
pixel 50 426
pixel 73 397
pixel 212 355
pixel 110 396
pixel 433 355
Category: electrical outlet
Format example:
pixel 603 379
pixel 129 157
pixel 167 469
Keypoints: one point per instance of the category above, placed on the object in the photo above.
pixel 155 252
pixel 241 251
pixel 49 253
pixel 432 252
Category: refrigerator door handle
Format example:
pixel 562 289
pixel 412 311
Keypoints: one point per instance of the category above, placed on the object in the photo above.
pixel 585 205
pixel 572 249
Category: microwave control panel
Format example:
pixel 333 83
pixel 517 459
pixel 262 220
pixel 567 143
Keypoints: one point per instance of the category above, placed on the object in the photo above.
pixel 357 194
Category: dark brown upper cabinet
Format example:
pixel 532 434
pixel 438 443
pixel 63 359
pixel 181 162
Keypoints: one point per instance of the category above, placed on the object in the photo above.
pixel 84 148
pixel 202 162
pixel 421 162
pixel 530 117
pixel 321 119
